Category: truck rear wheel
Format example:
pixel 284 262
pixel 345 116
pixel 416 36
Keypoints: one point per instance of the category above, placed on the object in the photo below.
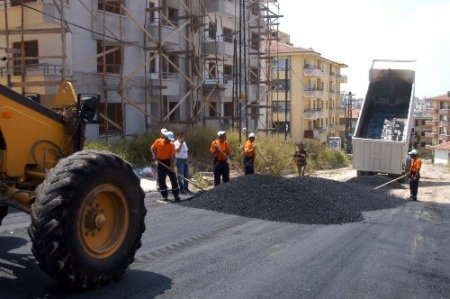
pixel 88 219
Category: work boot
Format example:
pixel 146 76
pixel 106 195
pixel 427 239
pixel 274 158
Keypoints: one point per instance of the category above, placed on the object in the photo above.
pixel 177 198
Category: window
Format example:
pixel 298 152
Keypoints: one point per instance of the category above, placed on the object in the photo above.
pixel 279 106
pixel 176 114
pixel 254 111
pixel 253 74
pixel 280 85
pixel 213 109
pixel 30 55
pixel 111 5
pixel 171 65
pixel 280 64
pixel 227 35
pixel 113 111
pixel 111 62
pixel 172 14
pixel 212 30
pixel 212 70
pixel 228 109
pixel 227 70
pixel 255 41
pixel 152 12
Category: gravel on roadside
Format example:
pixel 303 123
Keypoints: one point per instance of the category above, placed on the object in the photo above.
pixel 307 200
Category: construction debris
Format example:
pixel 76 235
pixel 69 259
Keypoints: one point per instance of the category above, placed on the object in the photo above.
pixel 306 200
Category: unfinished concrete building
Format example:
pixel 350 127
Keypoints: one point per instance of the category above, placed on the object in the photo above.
pixel 154 62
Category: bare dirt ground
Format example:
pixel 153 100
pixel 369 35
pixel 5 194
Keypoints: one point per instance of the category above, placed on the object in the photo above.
pixel 434 185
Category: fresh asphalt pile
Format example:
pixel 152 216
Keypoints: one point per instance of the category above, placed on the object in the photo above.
pixel 306 200
pixel 373 181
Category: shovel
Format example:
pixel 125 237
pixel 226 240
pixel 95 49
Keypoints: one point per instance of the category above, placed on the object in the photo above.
pixel 267 163
pixel 190 181
pixel 396 179
pixel 229 161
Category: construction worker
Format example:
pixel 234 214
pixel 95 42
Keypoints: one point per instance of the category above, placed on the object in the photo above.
pixel 221 151
pixel 159 140
pixel 299 157
pixel 250 154
pixel 164 155
pixel 414 174
pixel 182 162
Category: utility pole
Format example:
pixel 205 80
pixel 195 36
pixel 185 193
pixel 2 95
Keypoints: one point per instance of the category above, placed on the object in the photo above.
pixel 348 123
pixel 286 89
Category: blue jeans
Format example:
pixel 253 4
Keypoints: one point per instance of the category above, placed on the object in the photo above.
pixel 183 170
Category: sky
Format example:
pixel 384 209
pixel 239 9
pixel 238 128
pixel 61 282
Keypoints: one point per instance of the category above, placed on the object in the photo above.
pixel 355 32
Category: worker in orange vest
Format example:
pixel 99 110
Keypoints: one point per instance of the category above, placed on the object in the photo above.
pixel 164 154
pixel 221 151
pixel 414 174
pixel 250 154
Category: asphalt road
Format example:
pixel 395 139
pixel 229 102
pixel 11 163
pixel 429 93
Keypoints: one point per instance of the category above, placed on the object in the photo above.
pixel 192 253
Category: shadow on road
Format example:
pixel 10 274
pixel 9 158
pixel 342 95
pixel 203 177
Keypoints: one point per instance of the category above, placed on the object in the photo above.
pixel 434 183
pixel 21 277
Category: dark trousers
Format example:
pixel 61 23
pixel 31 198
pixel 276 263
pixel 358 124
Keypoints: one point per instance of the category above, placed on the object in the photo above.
pixel 413 187
pixel 221 168
pixel 249 165
pixel 162 173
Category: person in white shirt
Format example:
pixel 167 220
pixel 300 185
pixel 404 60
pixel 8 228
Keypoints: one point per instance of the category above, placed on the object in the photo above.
pixel 182 162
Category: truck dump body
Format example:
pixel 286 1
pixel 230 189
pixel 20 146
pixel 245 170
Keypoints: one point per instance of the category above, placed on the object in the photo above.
pixel 382 133
pixel 387 102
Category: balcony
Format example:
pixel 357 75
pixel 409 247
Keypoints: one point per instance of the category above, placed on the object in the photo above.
pixel 445 111
pixel 444 123
pixel 313 113
pixel 221 6
pixel 166 83
pixel 444 137
pixel 343 78
pixel 431 110
pixel 312 92
pixel 218 46
pixel 431 122
pixel 214 83
pixel 167 35
pixel 310 70
pixel 430 134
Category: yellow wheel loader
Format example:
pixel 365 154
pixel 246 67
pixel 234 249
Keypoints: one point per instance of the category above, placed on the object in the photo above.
pixel 87 207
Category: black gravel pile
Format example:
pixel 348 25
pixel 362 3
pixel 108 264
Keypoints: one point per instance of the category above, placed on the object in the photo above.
pixel 305 200
pixel 373 181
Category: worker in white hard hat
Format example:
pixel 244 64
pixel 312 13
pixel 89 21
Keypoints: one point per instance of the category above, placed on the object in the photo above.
pixel 414 174
pixel 165 157
pixel 220 148
pixel 250 154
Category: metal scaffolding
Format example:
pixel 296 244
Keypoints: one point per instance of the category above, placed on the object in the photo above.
pixel 192 74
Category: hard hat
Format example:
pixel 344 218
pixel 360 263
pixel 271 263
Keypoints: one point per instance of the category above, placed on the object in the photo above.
pixel 413 152
pixel 169 135
pixel 220 133
pixel 251 135
pixel 163 131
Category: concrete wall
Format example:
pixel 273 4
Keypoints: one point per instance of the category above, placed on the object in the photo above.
pixel 441 156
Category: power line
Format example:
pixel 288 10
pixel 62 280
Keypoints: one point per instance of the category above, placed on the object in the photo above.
pixel 83 28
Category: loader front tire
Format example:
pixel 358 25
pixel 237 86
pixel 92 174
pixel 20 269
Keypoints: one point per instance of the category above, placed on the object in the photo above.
pixel 88 219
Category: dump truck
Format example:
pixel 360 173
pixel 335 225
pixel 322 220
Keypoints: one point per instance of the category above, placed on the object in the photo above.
pixel 382 135
pixel 87 207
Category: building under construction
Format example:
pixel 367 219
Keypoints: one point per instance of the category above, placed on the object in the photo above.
pixel 154 62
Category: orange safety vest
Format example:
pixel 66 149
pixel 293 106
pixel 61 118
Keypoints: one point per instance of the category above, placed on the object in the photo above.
pixel 163 150
pixel 416 164
pixel 249 150
pixel 223 148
